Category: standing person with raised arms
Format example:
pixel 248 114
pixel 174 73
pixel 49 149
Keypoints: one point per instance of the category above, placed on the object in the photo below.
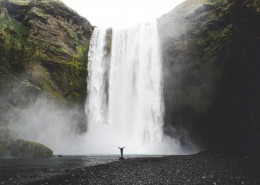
pixel 121 151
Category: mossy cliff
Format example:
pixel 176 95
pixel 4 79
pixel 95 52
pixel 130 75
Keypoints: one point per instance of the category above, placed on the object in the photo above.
pixel 44 43
pixel 43 53
pixel 211 71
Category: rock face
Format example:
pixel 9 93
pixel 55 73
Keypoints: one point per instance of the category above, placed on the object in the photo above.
pixel 44 44
pixel 43 53
pixel 211 58
pixel 12 146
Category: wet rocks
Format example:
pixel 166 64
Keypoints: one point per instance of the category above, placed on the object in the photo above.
pixel 203 168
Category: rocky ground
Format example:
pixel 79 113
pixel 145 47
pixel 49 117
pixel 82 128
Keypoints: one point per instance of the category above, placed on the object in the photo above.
pixel 204 168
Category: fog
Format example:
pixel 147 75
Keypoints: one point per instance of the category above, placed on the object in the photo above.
pixel 37 117
pixel 46 122
pixel 57 127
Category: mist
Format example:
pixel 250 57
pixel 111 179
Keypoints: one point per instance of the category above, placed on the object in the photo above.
pixel 50 124
pixel 57 127
pixel 65 128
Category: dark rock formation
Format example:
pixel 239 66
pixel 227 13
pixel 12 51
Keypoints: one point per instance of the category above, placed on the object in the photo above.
pixel 12 146
pixel 211 58
pixel 43 53
pixel 45 44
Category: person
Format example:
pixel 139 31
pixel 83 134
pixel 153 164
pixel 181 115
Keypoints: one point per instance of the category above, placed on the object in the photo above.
pixel 121 151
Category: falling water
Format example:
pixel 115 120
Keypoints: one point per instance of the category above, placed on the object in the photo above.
pixel 125 105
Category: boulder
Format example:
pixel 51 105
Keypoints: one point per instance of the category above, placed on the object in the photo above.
pixel 12 146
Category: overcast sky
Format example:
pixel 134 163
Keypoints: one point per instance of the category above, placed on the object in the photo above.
pixel 121 13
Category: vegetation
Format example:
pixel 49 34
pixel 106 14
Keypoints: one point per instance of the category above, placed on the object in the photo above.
pixel 207 64
pixel 12 146
pixel 51 50
pixel 43 52
pixel 13 37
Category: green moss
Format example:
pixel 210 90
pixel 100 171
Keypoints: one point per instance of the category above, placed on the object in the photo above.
pixel 77 67
pixel 72 34
pixel 12 146
pixel 55 61
pixel 73 80
pixel 35 149
pixel 10 26
pixel 26 2
pixel 44 80
pixel 48 1
pixel 211 38
pixel 39 13
pixel 253 4
pixel 13 36
pixel 20 2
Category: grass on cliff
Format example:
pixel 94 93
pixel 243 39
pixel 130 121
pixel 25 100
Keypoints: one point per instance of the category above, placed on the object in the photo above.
pixel 26 2
pixel 13 37
pixel 11 27
pixel 20 2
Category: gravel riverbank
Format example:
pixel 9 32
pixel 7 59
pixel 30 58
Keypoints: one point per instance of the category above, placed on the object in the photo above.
pixel 203 168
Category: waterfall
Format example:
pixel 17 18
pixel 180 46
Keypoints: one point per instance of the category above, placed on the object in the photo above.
pixel 125 104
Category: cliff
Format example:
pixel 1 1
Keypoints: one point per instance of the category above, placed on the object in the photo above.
pixel 43 53
pixel 211 84
pixel 43 46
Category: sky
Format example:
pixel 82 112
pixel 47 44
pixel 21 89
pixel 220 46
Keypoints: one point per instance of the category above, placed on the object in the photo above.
pixel 121 13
